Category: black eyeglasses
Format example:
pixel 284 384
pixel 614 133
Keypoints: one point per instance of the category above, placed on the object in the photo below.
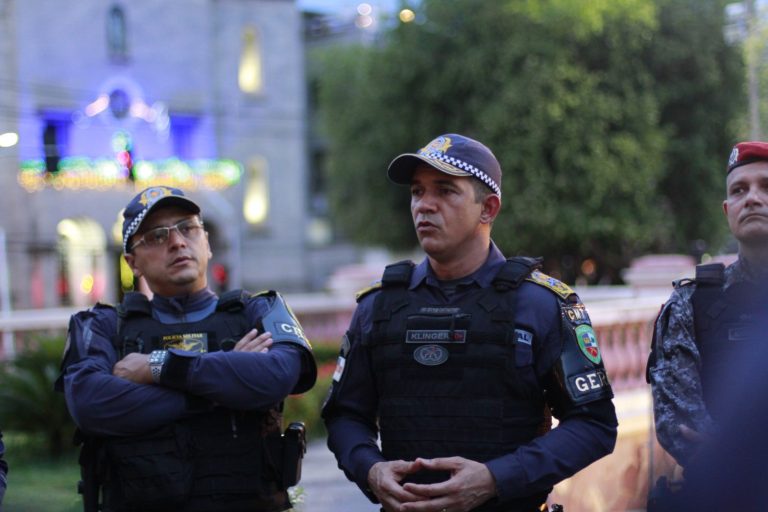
pixel 191 229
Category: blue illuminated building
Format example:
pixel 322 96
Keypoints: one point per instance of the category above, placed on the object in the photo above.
pixel 108 97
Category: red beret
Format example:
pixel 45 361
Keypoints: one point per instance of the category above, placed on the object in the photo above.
pixel 746 153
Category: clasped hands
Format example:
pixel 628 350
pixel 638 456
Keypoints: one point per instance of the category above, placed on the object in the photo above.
pixel 470 485
pixel 135 366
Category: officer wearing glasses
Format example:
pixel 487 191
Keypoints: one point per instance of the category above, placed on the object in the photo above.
pixel 178 398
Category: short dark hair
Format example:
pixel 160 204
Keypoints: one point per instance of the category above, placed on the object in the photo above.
pixel 481 190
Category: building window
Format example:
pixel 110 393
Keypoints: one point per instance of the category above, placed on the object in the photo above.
pixel 256 201
pixel 55 139
pixel 249 75
pixel 117 37
pixel 182 135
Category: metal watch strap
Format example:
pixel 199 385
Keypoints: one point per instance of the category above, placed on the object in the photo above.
pixel 156 360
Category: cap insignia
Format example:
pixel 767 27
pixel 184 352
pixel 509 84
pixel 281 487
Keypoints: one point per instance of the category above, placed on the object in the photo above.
pixel 439 145
pixel 151 195
pixel 734 156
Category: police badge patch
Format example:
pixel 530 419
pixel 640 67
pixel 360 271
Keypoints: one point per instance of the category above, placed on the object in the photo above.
pixel 191 342
pixel 430 355
pixel 587 340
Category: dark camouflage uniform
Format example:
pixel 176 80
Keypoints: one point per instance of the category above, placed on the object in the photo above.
pixel 675 381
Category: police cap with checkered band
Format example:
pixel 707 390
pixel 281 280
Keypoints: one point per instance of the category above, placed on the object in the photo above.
pixel 452 154
pixel 149 200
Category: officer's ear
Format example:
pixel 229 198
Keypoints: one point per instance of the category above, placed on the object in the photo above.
pixel 491 208
pixel 208 242
pixel 130 259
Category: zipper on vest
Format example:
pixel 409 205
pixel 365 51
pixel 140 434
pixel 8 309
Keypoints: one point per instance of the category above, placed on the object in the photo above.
pixel 233 422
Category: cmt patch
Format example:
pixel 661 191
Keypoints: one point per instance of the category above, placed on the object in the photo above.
pixel 585 336
pixel 589 384
pixel 430 355
pixel 190 341
pixel 576 315
pixel 435 336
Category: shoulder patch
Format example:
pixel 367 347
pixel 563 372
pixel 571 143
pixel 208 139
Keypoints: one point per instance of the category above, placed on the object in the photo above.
pixel 365 291
pixel 558 287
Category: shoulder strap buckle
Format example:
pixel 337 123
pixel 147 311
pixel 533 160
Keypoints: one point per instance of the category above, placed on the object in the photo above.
pixel 134 303
pixel 398 274
pixel 232 300
pixel 514 271
pixel 710 274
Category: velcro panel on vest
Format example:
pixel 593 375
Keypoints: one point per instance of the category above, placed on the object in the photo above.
pixel 229 453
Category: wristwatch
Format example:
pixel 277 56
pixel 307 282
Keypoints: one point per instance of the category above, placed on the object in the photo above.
pixel 156 360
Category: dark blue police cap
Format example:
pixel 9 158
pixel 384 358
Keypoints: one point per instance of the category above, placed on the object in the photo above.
pixel 149 200
pixel 452 154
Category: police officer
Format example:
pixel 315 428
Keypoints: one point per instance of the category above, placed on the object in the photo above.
pixel 457 362
pixel 712 326
pixel 179 398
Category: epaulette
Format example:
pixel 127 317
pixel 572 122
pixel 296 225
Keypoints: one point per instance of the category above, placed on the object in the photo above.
pixel 261 293
pixel 365 291
pixel 558 287
pixel 103 305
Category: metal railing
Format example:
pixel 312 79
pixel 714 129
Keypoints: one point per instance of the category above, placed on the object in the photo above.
pixel 622 321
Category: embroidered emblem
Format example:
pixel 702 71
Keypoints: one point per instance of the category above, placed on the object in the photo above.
pixel 191 342
pixel 588 383
pixel 577 314
pixel 585 336
pixel 439 145
pixel 560 288
pixel 523 337
pixel 151 195
pixel 734 156
pixel 430 355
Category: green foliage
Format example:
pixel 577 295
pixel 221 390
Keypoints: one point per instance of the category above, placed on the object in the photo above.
pixel 701 92
pixel 573 97
pixel 35 485
pixel 28 402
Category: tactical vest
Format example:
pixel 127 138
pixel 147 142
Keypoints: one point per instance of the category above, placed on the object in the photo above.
pixel 447 376
pixel 220 460
pixel 730 324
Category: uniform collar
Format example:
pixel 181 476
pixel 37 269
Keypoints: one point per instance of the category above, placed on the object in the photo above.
pixel 742 270
pixel 184 303
pixel 483 276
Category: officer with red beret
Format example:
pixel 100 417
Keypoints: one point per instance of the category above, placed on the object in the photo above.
pixel 709 323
